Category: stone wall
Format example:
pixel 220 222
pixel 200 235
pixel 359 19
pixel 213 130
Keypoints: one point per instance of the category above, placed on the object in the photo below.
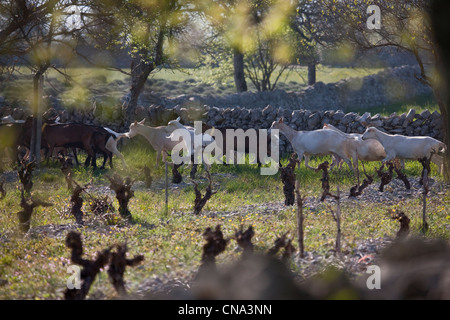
pixel 410 124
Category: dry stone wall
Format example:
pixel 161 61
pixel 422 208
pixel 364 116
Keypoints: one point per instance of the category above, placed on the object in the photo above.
pixel 410 124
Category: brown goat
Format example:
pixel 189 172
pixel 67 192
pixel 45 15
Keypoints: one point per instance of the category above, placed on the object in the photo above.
pixel 90 138
pixel 25 138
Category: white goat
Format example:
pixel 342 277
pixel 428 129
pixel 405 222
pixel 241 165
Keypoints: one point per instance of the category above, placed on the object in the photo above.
pixel 366 150
pixel 192 149
pixel 159 138
pixel 316 142
pixel 111 144
pixel 406 148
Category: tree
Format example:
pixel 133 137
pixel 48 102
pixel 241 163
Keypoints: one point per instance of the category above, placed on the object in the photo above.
pixel 405 25
pixel 35 34
pixel 147 29
pixel 256 31
pixel 215 13
pixel 239 74
pixel 308 27
pixel 262 66
pixel 439 11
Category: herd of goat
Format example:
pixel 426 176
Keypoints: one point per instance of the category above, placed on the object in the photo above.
pixel 373 145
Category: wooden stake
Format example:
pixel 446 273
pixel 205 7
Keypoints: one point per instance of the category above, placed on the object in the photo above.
pixel 337 218
pixel 300 219
pixel 338 221
pixel 167 190
pixel 426 188
pixel 424 202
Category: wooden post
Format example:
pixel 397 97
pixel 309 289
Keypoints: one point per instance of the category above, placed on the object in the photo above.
pixel 39 119
pixel 338 221
pixel 34 123
pixel 300 235
pixel 35 144
pixel 424 201
pixel 167 189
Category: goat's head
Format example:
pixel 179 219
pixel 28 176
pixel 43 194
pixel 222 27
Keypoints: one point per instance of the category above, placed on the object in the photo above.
pixel 175 124
pixel 277 124
pixel 370 133
pixel 134 127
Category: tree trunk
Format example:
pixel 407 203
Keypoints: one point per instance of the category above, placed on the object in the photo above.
pixel 35 143
pixel 445 116
pixel 239 75
pixel 311 73
pixel 441 33
pixel 140 70
pixel 300 220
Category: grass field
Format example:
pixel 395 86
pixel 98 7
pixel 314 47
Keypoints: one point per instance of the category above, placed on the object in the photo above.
pixel 419 104
pixel 85 83
pixel 34 266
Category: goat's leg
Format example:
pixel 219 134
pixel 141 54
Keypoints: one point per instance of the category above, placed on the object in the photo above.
pixel 91 160
pixel 300 157
pixel 112 147
pixel 438 160
pixel 335 161
pixel 307 162
pixel 49 154
pixel 90 151
pixel 390 157
pixel 94 160
pixel 356 169
pixel 88 161
pixel 364 169
pixel 158 155
pixel 106 156
pixel 74 150
pixel 109 150
pixel 110 156
pixel 349 163
pixel 164 156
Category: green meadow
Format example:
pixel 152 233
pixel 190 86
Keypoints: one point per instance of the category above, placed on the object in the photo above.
pixel 34 265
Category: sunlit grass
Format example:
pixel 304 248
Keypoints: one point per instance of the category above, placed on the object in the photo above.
pixel 419 104
pixel 35 266
pixel 81 85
